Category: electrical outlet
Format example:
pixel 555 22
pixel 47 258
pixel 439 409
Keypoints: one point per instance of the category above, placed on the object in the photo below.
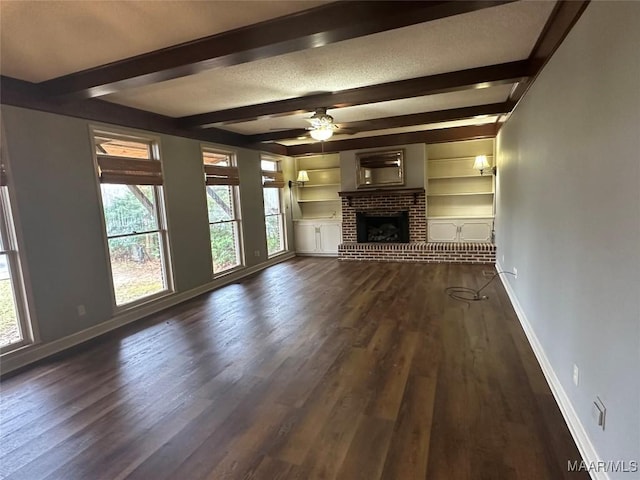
pixel 515 272
pixel 256 253
pixel 503 259
pixel 81 310
pixel 576 374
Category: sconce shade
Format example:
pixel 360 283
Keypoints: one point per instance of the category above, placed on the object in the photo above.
pixel 303 176
pixel 481 163
pixel 322 133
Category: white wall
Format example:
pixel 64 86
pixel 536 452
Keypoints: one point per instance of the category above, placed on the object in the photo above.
pixel 568 218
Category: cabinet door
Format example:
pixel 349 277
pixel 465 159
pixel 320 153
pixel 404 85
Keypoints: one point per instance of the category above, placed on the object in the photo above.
pixel 305 237
pixel 330 237
pixel 443 231
pixel 475 231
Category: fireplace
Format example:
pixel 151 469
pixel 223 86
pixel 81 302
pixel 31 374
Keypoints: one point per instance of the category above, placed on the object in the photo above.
pixel 386 228
pixel 383 207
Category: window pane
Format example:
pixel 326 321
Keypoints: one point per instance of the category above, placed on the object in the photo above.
pixel 271 200
pixel 9 326
pixel 136 264
pixel 269 165
pixel 224 246
pixel 275 237
pixel 122 148
pixel 220 203
pixel 128 208
pixel 214 158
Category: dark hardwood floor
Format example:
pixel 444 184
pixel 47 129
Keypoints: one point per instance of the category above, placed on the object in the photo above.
pixel 312 369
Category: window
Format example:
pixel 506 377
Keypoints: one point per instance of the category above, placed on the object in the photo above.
pixel 131 185
pixel 14 325
pixel 273 182
pixel 221 184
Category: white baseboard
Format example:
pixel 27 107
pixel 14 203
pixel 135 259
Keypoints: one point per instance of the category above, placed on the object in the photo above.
pixel 32 353
pixel 579 434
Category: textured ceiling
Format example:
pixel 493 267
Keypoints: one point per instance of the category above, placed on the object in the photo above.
pixel 40 40
pixel 390 131
pixel 391 108
pixel 445 45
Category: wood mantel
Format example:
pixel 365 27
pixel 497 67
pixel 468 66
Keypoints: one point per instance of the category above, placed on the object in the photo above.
pixel 377 192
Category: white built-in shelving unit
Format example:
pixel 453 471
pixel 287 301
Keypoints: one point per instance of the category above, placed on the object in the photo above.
pixel 318 229
pixel 460 201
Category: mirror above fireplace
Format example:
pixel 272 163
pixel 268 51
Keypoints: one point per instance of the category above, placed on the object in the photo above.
pixel 380 169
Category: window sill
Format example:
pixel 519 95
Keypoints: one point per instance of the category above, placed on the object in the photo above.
pixel 144 301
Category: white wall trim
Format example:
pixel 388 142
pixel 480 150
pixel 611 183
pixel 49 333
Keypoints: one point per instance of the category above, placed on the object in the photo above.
pixel 32 353
pixel 578 432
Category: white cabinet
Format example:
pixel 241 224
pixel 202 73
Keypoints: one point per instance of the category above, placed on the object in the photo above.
pixel 317 237
pixel 460 230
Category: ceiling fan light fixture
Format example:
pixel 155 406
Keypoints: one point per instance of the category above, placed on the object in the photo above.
pixel 322 133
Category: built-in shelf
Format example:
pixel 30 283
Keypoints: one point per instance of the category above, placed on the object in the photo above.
pixel 458 194
pixel 318 198
pixel 450 177
pixel 458 217
pixel 321 169
pixel 460 201
pixel 306 185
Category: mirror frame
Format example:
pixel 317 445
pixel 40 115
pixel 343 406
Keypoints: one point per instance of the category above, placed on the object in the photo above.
pixel 380 155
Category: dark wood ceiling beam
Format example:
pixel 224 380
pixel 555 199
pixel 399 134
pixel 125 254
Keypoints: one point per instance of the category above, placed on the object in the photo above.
pixel 28 95
pixel 427 136
pixel 396 121
pixel 481 77
pixel 562 19
pixel 311 28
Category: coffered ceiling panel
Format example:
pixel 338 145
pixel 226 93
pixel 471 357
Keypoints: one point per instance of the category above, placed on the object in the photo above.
pixel 249 73
pixel 390 131
pixel 405 106
pixel 449 44
pixel 45 39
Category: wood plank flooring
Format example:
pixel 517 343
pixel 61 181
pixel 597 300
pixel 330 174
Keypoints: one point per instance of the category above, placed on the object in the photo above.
pixel 312 369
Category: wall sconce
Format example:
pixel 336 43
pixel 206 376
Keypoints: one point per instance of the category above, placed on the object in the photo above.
pixel 302 178
pixel 481 163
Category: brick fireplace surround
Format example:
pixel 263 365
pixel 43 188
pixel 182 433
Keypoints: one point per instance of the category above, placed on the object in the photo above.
pixel 384 202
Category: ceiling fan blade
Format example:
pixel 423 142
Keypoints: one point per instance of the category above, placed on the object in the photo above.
pixel 345 130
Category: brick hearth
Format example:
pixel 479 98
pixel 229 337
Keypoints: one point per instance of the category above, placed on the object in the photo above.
pixel 379 202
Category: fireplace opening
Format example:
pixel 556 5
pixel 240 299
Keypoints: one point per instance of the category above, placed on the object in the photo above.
pixel 386 228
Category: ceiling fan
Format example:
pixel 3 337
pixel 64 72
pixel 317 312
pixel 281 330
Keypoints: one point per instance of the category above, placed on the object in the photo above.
pixel 322 126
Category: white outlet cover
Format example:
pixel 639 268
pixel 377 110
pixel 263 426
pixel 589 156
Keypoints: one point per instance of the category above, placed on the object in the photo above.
pixel 576 375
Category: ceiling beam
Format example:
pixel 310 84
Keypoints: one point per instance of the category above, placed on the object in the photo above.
pixel 427 136
pixel 480 77
pixel 562 19
pixel 311 28
pixel 396 121
pixel 24 94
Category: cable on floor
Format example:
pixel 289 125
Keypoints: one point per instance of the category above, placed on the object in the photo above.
pixel 468 295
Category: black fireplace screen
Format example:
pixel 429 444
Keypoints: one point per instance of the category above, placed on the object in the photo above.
pixel 387 228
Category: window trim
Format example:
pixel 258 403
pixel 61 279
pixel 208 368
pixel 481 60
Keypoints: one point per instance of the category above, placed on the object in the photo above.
pixel 159 210
pixel 237 208
pixel 16 265
pixel 275 175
